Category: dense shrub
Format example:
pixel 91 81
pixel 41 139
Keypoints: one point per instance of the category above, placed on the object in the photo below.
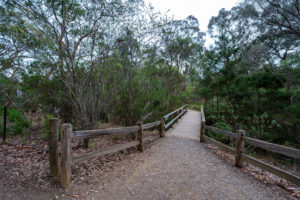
pixel 16 123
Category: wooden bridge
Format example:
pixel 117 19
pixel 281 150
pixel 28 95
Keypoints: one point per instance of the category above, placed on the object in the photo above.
pixel 181 154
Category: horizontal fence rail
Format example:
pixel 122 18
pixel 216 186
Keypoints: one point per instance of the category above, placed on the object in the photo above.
pixel 166 117
pixel 217 130
pixel 287 151
pixel 96 133
pixel 240 139
pixel 102 152
pixel 63 171
pixel 151 125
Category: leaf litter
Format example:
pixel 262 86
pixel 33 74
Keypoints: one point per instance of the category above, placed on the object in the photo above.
pixel 259 174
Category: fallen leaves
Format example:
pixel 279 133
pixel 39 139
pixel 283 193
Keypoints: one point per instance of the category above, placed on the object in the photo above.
pixel 26 167
pixel 263 176
pixel 73 195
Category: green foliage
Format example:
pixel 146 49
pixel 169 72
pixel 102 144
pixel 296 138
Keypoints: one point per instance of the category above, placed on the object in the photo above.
pixel 97 74
pixel 194 107
pixel 16 122
pixel 246 80
pixel 222 125
pixel 16 116
pixel 252 83
pixel 45 134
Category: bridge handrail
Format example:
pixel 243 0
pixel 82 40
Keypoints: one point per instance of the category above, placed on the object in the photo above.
pixel 169 124
pixel 202 116
pixel 166 117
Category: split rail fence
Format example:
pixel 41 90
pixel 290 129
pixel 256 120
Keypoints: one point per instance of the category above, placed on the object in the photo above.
pixel 62 167
pixel 240 138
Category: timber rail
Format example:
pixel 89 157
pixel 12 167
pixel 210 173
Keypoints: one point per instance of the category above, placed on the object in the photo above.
pixel 240 139
pixel 62 167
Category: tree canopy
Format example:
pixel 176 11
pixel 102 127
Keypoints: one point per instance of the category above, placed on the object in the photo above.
pixel 120 61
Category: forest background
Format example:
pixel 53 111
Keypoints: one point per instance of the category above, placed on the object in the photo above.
pixel 119 61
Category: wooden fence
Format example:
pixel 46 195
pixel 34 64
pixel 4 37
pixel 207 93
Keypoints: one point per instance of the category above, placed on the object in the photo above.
pixel 240 138
pixel 62 169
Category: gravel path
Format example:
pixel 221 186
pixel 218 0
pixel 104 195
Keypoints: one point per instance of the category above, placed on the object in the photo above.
pixel 174 167
pixel 179 167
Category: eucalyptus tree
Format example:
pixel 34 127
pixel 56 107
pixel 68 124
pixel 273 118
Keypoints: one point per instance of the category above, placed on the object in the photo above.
pixel 181 41
pixel 72 36
pixel 180 46
pixel 278 23
pixel 17 41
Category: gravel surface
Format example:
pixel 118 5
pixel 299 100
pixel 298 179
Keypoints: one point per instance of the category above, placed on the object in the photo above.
pixel 179 167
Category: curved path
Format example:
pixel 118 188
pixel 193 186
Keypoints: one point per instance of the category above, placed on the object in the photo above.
pixel 179 167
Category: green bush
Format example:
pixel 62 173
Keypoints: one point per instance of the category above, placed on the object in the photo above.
pixel 45 134
pixel 222 125
pixel 16 122
pixel 194 107
pixel 220 137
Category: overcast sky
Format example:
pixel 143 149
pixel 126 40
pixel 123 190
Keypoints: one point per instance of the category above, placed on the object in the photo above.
pixel 203 10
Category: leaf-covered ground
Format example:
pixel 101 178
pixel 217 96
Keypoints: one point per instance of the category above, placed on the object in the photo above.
pixel 24 166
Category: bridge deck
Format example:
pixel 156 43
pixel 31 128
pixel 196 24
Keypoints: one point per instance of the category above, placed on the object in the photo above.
pixel 179 167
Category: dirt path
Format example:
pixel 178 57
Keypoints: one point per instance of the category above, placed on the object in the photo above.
pixel 179 167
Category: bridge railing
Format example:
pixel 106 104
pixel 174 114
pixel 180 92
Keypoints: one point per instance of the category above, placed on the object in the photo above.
pixel 63 170
pixel 240 139
pixel 173 116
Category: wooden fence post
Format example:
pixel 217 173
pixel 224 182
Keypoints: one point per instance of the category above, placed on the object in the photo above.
pixel 162 128
pixel 202 131
pixel 239 148
pixel 53 147
pixel 4 125
pixel 66 155
pixel 140 136
pixel 297 166
pixel 202 124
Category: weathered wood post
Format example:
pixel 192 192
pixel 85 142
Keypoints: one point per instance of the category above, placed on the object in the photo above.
pixel 202 131
pixel 140 137
pixel 4 125
pixel 66 155
pixel 162 128
pixel 202 124
pixel 239 148
pixel 53 147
